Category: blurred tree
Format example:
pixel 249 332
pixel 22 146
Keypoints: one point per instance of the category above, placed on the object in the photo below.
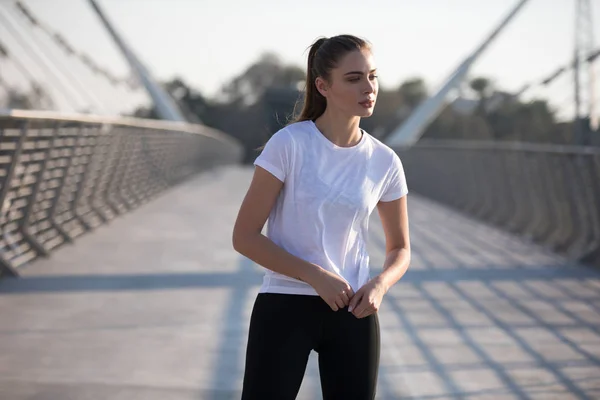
pixel 192 103
pixel 482 87
pixel 413 92
pixel 145 112
pixel 454 125
pixel 263 97
pixel 532 122
pixel 37 98
pixel 267 72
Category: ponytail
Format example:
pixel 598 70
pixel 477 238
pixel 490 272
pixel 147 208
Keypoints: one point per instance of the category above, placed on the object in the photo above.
pixel 314 102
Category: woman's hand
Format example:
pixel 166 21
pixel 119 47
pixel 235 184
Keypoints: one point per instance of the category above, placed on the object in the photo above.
pixel 367 299
pixel 332 288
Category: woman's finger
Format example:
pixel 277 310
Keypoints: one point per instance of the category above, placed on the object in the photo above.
pixel 333 306
pixel 355 301
pixel 345 298
pixel 361 307
pixel 366 312
pixel 350 292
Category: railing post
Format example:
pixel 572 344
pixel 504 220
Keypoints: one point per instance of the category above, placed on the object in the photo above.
pixel 6 267
pixel 83 185
pixel 113 194
pixel 100 192
pixel 36 189
pixel 59 192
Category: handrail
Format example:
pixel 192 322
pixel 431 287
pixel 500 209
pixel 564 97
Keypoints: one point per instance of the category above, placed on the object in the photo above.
pixel 544 192
pixel 62 175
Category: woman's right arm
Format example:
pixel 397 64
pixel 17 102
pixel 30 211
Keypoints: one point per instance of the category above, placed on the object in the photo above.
pixel 249 241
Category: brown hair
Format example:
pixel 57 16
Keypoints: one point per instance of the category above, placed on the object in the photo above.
pixel 323 56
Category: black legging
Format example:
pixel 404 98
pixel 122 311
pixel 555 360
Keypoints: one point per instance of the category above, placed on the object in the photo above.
pixel 284 328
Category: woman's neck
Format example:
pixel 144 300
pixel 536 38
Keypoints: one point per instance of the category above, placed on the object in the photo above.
pixel 339 129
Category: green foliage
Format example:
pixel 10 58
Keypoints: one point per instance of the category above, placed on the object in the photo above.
pixel 262 99
pixel 35 98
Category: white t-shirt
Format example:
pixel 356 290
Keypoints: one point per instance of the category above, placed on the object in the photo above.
pixel 322 212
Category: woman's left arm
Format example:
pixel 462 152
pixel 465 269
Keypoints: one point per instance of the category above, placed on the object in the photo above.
pixel 394 219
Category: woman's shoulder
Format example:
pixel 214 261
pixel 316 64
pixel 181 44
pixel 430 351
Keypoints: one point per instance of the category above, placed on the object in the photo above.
pixel 298 126
pixel 286 137
pixel 289 133
pixel 292 128
pixel 380 147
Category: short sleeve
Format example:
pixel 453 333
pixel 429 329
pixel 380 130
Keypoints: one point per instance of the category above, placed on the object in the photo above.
pixel 275 156
pixel 395 186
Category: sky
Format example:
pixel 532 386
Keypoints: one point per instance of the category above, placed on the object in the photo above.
pixel 207 43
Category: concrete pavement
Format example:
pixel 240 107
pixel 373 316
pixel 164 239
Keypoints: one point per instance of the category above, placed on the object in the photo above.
pixel 156 305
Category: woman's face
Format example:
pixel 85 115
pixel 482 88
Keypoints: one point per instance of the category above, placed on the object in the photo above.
pixel 352 86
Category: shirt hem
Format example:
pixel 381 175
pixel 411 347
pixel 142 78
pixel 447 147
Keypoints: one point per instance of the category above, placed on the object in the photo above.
pixel 394 196
pixel 288 290
pixel 276 172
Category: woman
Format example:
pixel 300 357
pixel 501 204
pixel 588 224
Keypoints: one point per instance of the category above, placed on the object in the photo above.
pixel 317 181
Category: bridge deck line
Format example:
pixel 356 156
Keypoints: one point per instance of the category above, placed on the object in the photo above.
pixel 156 305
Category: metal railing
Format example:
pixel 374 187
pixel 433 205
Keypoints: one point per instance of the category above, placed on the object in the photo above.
pixel 61 176
pixel 547 193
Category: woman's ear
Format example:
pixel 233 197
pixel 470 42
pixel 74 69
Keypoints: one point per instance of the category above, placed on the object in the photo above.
pixel 321 85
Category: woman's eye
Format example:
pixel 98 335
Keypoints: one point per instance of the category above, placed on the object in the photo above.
pixel 357 78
